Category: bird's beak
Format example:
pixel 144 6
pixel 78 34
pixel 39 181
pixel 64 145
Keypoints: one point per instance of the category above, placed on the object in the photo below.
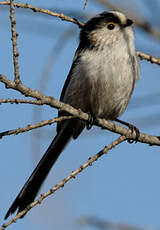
pixel 129 22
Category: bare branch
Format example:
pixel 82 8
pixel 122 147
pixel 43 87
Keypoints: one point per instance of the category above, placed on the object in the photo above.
pixel 14 43
pixel 90 161
pixel 149 58
pixel 20 101
pixel 34 126
pixel 49 12
pixel 77 113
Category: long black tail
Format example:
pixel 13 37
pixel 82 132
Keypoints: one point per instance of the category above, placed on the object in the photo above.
pixel 33 184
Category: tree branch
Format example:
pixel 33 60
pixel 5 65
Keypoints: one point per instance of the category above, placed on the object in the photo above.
pixel 77 113
pixel 20 101
pixel 34 126
pixel 149 58
pixel 49 12
pixel 14 43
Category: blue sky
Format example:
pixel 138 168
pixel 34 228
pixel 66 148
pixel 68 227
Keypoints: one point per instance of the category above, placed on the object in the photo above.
pixel 122 186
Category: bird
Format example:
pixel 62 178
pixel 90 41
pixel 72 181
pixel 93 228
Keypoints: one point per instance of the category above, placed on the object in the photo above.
pixel 100 82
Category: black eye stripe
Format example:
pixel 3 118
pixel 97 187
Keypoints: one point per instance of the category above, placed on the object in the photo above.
pixel 103 17
pixel 112 19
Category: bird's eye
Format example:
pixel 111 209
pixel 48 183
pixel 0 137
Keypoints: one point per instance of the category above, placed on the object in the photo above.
pixel 111 25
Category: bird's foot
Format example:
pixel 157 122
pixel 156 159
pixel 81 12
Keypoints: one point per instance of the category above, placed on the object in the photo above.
pixel 91 120
pixel 136 130
pixel 132 128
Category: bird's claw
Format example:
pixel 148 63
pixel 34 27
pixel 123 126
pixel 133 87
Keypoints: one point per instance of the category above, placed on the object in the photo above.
pixel 132 128
pixel 136 130
pixel 91 120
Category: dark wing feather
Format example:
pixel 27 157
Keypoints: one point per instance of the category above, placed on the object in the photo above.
pixel 75 61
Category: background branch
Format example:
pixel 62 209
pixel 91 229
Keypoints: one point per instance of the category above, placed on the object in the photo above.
pixel 108 225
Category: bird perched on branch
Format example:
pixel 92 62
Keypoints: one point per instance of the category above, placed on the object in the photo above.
pixel 100 82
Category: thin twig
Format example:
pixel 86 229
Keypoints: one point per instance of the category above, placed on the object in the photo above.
pixel 49 12
pixel 85 4
pixel 149 58
pixel 103 224
pixel 14 43
pixel 34 126
pixel 90 161
pixel 77 113
pixel 20 101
